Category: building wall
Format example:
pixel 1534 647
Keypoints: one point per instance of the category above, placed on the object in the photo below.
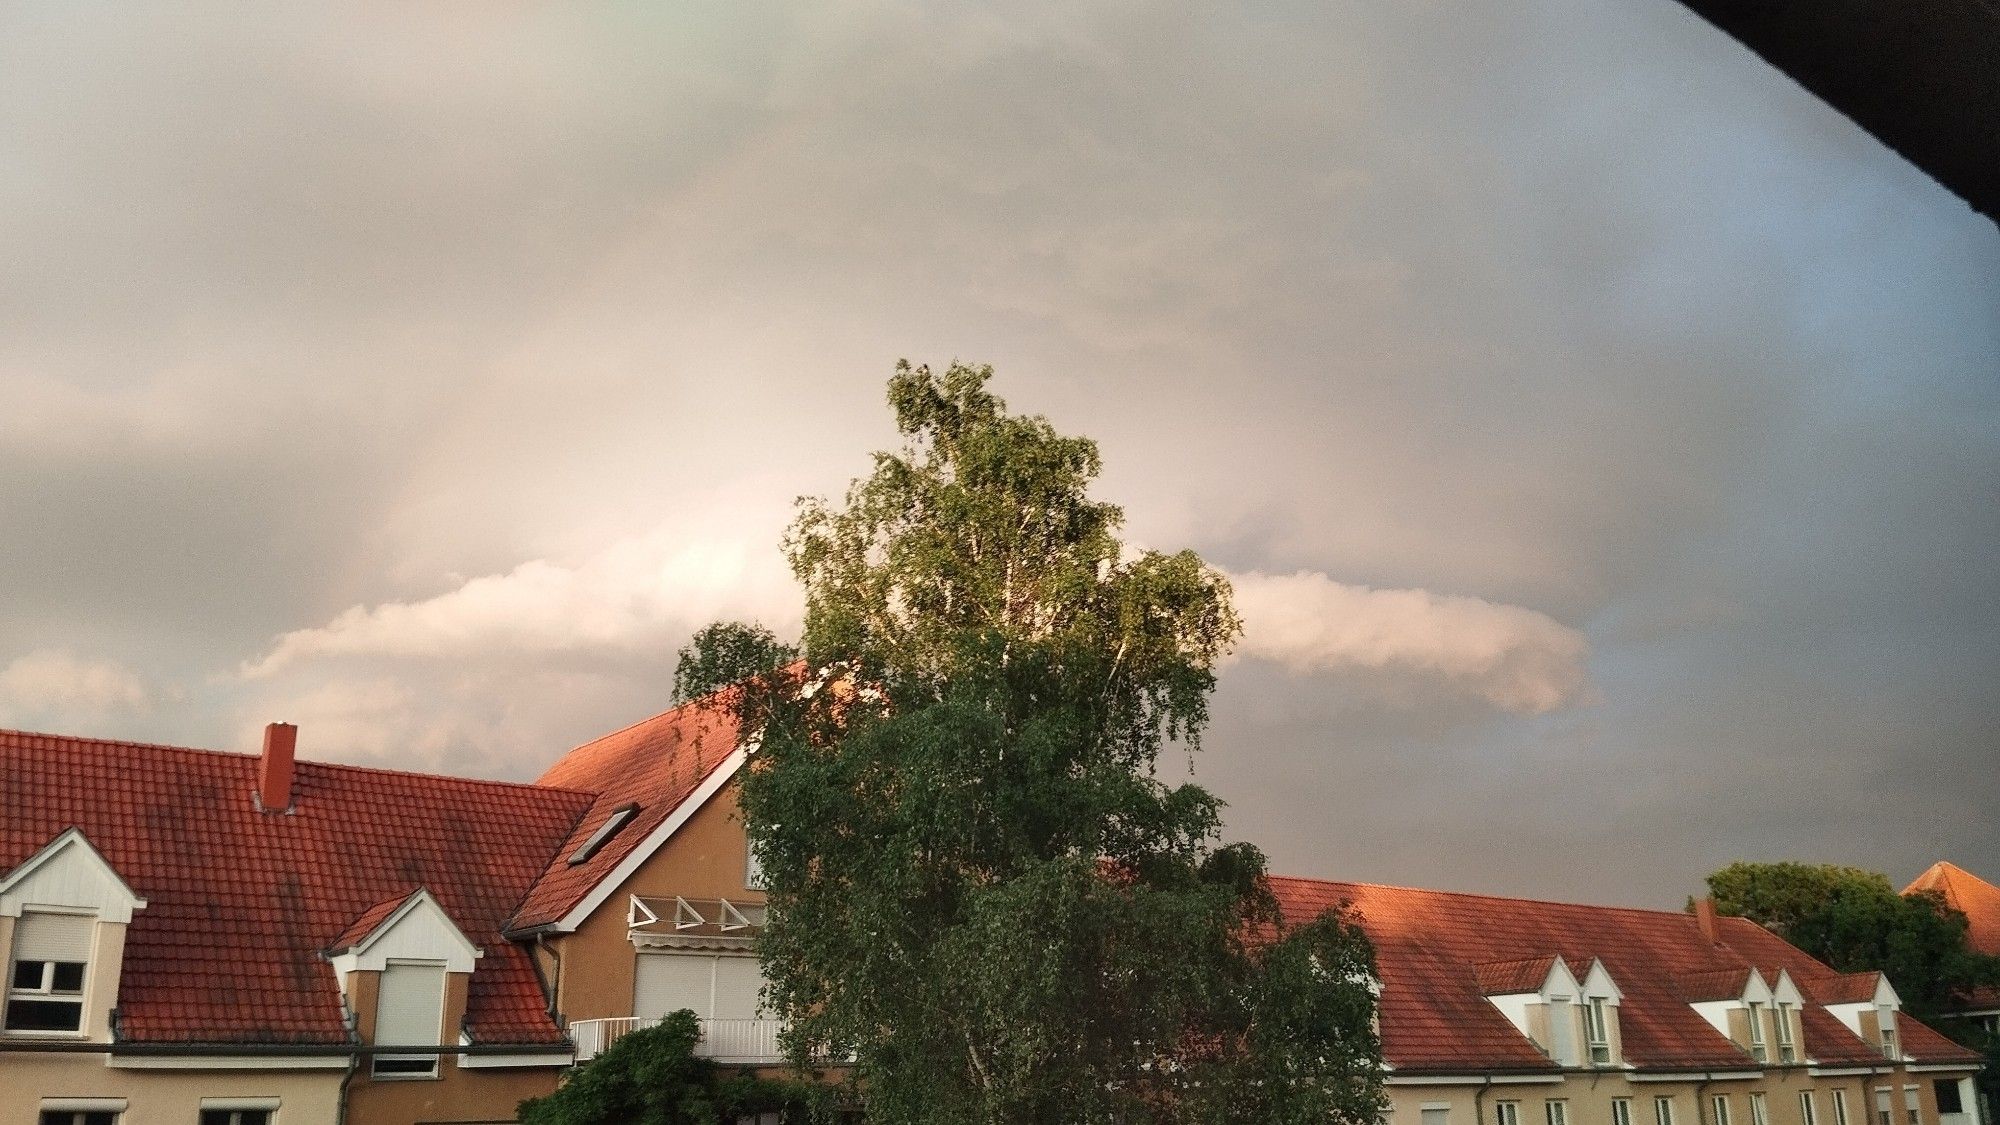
pixel 307 1097
pixel 1589 1097
pixel 457 1094
pixel 707 858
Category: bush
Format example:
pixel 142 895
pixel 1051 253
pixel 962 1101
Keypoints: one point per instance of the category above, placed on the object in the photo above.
pixel 652 1077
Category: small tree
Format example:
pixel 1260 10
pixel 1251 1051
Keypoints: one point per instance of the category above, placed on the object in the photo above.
pixel 980 888
pixel 652 1077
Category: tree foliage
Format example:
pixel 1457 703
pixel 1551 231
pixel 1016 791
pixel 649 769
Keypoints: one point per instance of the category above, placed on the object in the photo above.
pixel 652 1077
pixel 981 889
pixel 1853 919
pixel 725 653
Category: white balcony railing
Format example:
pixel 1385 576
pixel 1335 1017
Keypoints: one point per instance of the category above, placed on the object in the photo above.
pixel 725 1041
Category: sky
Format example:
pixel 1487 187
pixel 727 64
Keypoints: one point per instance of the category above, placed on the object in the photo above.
pixel 1602 435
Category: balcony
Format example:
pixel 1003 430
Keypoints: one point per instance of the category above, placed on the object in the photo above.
pixel 751 1042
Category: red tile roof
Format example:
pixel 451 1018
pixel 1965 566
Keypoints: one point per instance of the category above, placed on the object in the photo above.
pixel 241 904
pixel 374 916
pixel 1713 984
pixel 1504 978
pixel 1437 952
pixel 655 764
pixel 1971 896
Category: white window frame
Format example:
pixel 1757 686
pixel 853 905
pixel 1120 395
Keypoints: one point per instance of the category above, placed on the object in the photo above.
pixel 1788 1044
pixel 1556 1111
pixel 1663 1109
pixel 1718 1109
pixel 1759 1050
pixel 753 872
pixel 236 1107
pixel 436 1069
pixel 1839 1106
pixel 1597 1029
pixel 1808 1108
pixel 46 991
pixel 1506 1113
pixel 1760 1109
pixel 1442 1109
pixel 1621 1111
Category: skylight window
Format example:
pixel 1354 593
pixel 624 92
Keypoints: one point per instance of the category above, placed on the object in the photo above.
pixel 618 819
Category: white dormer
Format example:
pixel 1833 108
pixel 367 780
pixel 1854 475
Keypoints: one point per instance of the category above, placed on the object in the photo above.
pixel 1787 1031
pixel 63 914
pixel 1601 998
pixel 1882 1004
pixel 417 930
pixel 1548 1014
pixel 411 946
pixel 1742 1014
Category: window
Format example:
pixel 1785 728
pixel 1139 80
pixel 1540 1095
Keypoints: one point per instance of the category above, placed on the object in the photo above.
pixel 1885 1019
pixel 235 1117
pixel 1757 1049
pixel 1621 1111
pixel 1437 1115
pixel 1840 1107
pixel 1911 1104
pixel 1557 1112
pixel 45 981
pixel 409 1012
pixel 618 819
pixel 1597 1029
pixel 1788 1047
pixel 79 1117
pixel 753 871
pixel 1808 1111
pixel 1663 1111
pixel 1720 1109
pixel 1884 1115
pixel 1506 1113
pixel 1562 1031
pixel 1948 1099
pixel 1760 1114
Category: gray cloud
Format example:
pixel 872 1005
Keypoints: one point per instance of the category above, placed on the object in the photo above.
pixel 324 338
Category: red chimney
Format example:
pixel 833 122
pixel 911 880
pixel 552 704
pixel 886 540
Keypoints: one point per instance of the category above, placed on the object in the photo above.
pixel 274 770
pixel 1704 916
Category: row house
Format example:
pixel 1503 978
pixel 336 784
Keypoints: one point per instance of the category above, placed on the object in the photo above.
pixel 1504 1011
pixel 230 939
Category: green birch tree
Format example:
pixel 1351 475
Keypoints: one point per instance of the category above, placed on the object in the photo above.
pixel 981 889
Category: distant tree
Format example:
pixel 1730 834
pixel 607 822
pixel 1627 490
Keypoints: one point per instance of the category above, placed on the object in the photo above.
pixel 652 1077
pixel 980 889
pixel 1853 919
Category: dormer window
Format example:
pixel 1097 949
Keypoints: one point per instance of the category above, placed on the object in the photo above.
pixel 1597 1030
pixel 45 980
pixel 409 1012
pixel 1758 1050
pixel 1788 1040
pixel 1885 1020
pixel 618 819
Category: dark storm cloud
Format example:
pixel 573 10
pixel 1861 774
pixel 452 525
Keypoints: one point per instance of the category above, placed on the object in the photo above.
pixel 425 376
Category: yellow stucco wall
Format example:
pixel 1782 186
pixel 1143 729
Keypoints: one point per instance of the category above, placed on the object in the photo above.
pixel 706 858
pixel 166 1097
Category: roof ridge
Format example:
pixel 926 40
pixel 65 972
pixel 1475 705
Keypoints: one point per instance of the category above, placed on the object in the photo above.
pixel 1488 897
pixel 81 740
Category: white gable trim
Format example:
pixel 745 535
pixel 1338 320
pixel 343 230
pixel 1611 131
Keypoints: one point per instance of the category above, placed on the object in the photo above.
pixel 418 930
pixel 1598 983
pixel 1561 982
pixel 68 873
pixel 627 867
pixel 1787 991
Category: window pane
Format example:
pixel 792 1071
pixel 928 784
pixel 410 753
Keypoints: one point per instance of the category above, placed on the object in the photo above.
pixel 44 1015
pixel 28 974
pixel 100 1118
pixel 1947 1096
pixel 215 1117
pixel 68 977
